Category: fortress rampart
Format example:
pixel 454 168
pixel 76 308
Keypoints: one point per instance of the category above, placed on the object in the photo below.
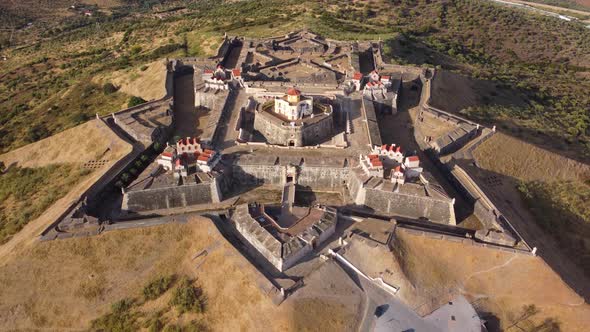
pixel 172 196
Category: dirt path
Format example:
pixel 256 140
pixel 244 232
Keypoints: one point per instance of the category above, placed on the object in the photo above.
pixel 555 9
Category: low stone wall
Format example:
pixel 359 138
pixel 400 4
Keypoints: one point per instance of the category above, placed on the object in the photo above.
pixel 465 241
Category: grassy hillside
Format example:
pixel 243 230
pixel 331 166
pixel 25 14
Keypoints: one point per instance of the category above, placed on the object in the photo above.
pixel 555 189
pixel 540 59
pixel 562 209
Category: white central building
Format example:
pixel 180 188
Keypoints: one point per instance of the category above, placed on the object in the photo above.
pixel 293 106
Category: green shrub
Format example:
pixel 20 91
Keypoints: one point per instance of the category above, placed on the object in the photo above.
pixel 157 287
pixel 135 49
pixel 188 297
pixel 134 101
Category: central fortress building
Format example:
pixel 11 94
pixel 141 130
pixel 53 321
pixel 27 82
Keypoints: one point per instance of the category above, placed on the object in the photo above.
pixel 294 120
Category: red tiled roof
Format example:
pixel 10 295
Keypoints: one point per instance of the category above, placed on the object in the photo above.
pixel 167 154
pixel 373 156
pixel 207 151
pixel 203 157
pixel 236 72
pixel 384 77
pixel 208 71
pixel 413 158
pixel 293 92
pixel 357 76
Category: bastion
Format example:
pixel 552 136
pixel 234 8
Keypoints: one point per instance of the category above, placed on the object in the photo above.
pixel 294 120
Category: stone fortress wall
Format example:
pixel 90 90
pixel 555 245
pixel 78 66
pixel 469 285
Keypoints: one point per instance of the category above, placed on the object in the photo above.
pixel 391 203
pixel 279 132
pixel 497 228
pixel 339 177
pixel 172 197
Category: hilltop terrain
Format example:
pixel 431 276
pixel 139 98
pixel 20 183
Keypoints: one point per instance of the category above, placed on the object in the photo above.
pixel 524 74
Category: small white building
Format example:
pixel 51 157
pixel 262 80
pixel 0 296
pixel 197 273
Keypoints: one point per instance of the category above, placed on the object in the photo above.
pixel 293 106
pixel 356 81
pixel 412 167
pixel 397 175
pixel 166 159
pixel 412 162
pixel 216 79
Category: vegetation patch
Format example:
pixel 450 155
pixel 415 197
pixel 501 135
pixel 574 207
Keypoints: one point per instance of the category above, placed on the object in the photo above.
pixel 26 192
pixel 135 101
pixel 189 297
pixel 157 287
pixel 129 314
pixel 120 318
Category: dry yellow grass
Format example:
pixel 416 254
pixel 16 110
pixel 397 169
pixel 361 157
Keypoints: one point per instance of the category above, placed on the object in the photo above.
pixel 149 84
pixel 502 282
pixel 65 284
pixel 88 141
pixel 512 157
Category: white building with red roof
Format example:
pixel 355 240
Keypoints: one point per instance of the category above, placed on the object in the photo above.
pixel 390 155
pixel 412 166
pixel 356 81
pixel 398 175
pixel 371 165
pixel 188 156
pixel 166 159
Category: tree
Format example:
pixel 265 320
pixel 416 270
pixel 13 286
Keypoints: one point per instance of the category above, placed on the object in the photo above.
pixel 109 88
